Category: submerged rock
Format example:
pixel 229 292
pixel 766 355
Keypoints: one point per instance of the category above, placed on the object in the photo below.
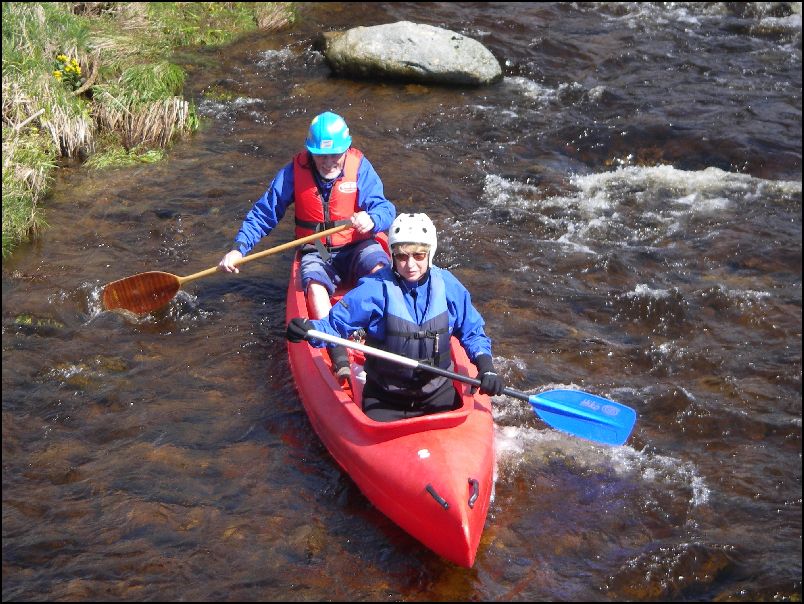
pixel 410 52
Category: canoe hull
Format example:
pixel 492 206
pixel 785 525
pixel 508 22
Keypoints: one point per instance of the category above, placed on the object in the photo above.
pixel 431 475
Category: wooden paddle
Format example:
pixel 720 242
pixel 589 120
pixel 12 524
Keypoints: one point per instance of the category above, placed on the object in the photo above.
pixel 572 411
pixel 146 292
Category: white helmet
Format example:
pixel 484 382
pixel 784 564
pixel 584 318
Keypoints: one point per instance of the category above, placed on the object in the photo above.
pixel 414 228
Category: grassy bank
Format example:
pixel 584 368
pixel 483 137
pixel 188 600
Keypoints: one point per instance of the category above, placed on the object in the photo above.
pixel 94 82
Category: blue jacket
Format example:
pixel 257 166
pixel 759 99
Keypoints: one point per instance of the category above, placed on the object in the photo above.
pixel 271 207
pixel 365 307
pixel 425 339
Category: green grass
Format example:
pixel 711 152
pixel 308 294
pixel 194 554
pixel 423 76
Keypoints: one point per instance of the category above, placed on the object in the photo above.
pixel 116 157
pixel 28 166
pixel 201 23
pixel 101 87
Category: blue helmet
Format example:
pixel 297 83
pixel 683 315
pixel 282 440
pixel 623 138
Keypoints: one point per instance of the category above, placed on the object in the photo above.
pixel 328 135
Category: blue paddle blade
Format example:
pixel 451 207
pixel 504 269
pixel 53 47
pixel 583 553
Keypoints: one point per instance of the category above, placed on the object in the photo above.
pixel 586 415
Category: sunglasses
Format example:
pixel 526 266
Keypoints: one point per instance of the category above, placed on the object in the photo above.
pixel 417 256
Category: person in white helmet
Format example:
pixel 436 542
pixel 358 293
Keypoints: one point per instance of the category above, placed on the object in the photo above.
pixel 330 183
pixel 411 308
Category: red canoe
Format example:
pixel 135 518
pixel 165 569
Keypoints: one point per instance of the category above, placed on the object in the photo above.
pixel 431 475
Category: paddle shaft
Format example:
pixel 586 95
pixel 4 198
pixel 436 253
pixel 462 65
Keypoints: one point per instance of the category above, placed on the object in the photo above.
pixel 268 252
pixel 395 358
pixel 573 411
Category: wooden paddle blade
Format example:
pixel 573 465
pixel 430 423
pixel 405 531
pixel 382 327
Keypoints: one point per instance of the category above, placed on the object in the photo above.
pixel 141 293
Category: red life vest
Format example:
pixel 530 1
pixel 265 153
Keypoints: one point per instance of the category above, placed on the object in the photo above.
pixel 312 214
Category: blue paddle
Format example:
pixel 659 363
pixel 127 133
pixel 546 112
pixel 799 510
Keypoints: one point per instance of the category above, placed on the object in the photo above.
pixel 572 411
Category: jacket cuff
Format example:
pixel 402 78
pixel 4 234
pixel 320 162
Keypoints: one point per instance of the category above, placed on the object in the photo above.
pixel 484 364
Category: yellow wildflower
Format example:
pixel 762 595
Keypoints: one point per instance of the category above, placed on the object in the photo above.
pixel 68 71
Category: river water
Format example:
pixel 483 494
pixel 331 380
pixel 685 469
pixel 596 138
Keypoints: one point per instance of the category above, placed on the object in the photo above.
pixel 624 206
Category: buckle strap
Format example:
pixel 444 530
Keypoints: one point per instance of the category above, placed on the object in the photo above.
pixel 418 335
pixel 317 227
pixel 322 250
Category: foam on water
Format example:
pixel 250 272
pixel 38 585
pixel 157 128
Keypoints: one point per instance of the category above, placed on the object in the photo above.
pixel 759 16
pixel 706 185
pixel 227 110
pixel 522 445
pixel 272 58
pixel 650 203
pixel 642 290
pixel 532 90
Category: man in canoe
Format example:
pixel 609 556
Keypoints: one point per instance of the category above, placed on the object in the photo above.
pixel 329 183
pixel 411 308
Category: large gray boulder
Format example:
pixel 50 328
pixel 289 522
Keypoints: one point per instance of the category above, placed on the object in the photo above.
pixel 410 52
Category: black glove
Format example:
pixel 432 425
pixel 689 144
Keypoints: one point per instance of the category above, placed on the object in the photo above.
pixel 298 328
pixel 490 382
